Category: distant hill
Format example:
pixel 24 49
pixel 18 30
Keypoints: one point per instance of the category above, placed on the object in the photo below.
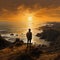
pixel 52 25
pixel 51 32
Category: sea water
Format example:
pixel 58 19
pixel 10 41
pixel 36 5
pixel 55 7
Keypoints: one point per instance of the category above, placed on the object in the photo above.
pixel 21 30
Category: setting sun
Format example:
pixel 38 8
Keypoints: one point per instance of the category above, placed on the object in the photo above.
pixel 30 18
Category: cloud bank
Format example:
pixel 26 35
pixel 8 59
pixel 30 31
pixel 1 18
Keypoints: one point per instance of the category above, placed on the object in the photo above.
pixel 49 8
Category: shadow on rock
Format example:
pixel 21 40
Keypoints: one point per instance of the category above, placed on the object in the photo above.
pixel 58 58
pixel 36 52
pixel 24 57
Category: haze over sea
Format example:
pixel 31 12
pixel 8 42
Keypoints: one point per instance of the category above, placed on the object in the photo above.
pixel 20 28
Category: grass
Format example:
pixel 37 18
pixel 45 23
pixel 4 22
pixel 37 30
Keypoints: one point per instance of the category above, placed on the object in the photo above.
pixel 22 53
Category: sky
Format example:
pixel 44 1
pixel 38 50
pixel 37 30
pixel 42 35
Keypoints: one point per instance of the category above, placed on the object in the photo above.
pixel 27 14
pixel 18 10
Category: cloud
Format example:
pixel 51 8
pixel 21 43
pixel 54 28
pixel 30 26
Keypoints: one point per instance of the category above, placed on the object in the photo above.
pixel 51 12
pixel 12 5
pixel 49 7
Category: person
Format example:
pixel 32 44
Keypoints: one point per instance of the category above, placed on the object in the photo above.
pixel 29 37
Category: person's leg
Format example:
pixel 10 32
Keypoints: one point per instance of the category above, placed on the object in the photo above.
pixel 30 41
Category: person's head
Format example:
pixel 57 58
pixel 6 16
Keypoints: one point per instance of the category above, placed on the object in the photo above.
pixel 29 30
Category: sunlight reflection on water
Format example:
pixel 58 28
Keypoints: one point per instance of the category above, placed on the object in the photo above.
pixel 21 30
pixel 22 36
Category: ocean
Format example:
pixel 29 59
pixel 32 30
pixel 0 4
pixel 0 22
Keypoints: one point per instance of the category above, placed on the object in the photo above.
pixel 20 29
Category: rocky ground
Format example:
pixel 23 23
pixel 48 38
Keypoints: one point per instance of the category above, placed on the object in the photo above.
pixel 24 53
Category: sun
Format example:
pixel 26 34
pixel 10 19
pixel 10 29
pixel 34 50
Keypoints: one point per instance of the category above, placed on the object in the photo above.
pixel 30 18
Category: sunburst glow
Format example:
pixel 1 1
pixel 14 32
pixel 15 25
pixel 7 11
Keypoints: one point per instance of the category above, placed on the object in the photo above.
pixel 30 18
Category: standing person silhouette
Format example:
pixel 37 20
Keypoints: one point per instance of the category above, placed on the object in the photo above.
pixel 29 37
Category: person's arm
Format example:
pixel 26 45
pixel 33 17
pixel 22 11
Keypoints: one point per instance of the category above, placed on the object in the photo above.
pixel 26 34
pixel 31 35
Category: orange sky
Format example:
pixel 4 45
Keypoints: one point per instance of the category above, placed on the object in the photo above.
pixel 41 10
